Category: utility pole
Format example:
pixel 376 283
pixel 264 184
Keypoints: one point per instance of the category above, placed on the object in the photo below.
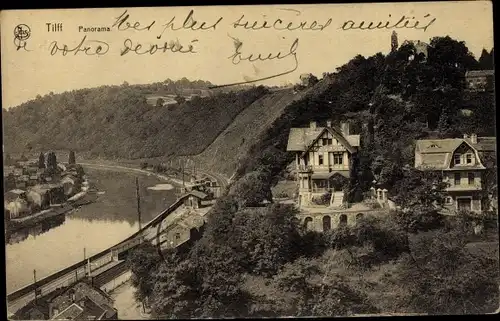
pixel 34 283
pixel 138 201
pixel 183 184
pixel 85 268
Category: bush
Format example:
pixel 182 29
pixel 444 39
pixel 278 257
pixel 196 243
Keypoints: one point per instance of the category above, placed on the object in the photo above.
pixel 340 237
pixel 444 277
pixel 419 218
pixel 323 199
pixel 252 189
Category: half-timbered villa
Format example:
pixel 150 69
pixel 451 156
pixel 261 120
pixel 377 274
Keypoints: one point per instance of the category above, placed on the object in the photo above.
pixel 323 159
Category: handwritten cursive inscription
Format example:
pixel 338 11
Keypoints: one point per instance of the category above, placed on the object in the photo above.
pixel 122 23
pixel 281 24
pixel 151 49
pixel 403 22
pixel 190 23
pixel 88 47
pixel 238 57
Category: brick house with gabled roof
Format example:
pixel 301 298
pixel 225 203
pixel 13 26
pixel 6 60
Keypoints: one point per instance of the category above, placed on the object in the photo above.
pixel 324 161
pixel 480 80
pixel 461 162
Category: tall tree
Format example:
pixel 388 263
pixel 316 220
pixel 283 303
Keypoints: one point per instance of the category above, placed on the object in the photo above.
pixel 486 60
pixel 71 158
pixel 51 161
pixel 41 160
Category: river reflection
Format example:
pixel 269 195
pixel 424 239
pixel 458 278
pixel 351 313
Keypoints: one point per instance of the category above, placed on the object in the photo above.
pixel 22 234
pixel 50 247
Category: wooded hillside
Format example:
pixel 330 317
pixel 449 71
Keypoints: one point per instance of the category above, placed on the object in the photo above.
pixel 116 121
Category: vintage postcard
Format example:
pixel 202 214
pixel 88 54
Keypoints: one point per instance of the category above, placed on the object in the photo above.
pixel 258 161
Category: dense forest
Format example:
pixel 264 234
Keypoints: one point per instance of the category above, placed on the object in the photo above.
pixel 259 261
pixel 116 121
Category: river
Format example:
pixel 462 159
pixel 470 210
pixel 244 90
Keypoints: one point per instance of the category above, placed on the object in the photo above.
pixel 60 242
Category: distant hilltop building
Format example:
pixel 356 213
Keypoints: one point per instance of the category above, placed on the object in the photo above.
pixel 420 46
pixel 394 41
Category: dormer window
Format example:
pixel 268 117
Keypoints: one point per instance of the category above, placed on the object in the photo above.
pixel 468 158
pixel 434 146
pixel 456 159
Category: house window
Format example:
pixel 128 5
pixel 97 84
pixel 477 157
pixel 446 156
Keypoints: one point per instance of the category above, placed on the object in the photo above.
pixel 325 141
pixel 470 177
pixel 337 159
pixel 330 141
pixel 320 159
pixel 342 220
pixel 308 223
pixel 327 223
pixel 448 200
pixel 468 158
pixel 456 159
pixel 457 178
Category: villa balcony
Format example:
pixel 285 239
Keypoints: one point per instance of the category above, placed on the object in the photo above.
pixel 317 190
pixel 322 168
pixel 464 188
pixel 305 168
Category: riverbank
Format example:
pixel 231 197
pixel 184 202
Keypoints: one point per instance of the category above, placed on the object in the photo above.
pixel 168 179
pixel 80 199
pixel 24 222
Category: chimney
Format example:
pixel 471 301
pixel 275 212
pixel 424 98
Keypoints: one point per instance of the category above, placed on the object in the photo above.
pixel 473 138
pixel 344 128
pixel 466 136
pixel 312 125
pixel 328 123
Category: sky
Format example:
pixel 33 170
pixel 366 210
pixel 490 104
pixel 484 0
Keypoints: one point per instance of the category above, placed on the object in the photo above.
pixel 35 62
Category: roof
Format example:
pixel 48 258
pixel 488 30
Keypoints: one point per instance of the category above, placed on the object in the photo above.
pixel 89 310
pixel 197 194
pixel 68 177
pixel 479 73
pixel 484 144
pixel 300 139
pixel 70 313
pixel 45 187
pixel 17 191
pixel 437 153
pixel 327 175
pixel 41 305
